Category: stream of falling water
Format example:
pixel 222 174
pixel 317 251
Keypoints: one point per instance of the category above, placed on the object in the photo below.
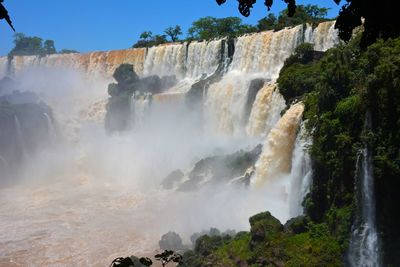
pixel 94 197
pixel 364 247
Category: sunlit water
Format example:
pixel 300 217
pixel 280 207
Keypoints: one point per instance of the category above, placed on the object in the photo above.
pixel 87 197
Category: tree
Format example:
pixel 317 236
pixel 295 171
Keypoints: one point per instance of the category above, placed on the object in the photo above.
pixel 210 27
pixel 67 51
pixel 304 14
pixel 267 23
pixel 26 46
pixel 49 48
pixel 350 16
pixel 173 32
pixel 148 40
pixel 146 35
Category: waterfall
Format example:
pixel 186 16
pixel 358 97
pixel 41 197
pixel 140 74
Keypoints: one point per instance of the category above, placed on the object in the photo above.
pixel 225 104
pixel 20 138
pixel 265 52
pixel 140 109
pixel 165 60
pixel 3 67
pixel 301 173
pixel 266 111
pixel 203 58
pixel 324 36
pixel 364 243
pixel 92 180
pixel 51 130
pixel 276 157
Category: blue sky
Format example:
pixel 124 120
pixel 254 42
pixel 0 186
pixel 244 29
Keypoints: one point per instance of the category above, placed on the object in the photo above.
pixel 88 25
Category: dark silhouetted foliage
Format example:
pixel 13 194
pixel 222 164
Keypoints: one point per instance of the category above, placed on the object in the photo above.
pixel 380 17
pixel 4 15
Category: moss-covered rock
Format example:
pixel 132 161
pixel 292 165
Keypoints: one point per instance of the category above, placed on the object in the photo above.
pixel 264 226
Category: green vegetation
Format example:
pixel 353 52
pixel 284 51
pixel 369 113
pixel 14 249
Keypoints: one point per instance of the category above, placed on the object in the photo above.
pixel 339 90
pixel 208 28
pixel 268 244
pixel 148 40
pixel 304 14
pixel 28 46
pixel 173 32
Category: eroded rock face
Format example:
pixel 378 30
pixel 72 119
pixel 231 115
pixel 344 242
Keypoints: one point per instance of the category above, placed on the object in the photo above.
pixel 222 169
pixel 119 112
pixel 26 124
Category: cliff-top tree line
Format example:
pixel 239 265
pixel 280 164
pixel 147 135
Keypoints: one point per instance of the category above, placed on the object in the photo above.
pixel 209 27
pixel 27 46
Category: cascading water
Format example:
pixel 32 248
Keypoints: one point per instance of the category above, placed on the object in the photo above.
pixel 324 36
pixel 301 173
pixel 20 138
pixel 276 158
pixel 96 182
pixel 225 104
pixel 3 67
pixel 364 242
pixel 51 129
pixel 266 111
pixel 265 52
pixel 140 108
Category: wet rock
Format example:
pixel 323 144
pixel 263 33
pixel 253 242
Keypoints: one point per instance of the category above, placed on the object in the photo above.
pixel 255 86
pixel 151 84
pixel 174 177
pixel 125 76
pixel 218 169
pixel 168 81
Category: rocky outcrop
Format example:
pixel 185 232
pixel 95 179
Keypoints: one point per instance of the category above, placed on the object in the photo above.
pixel 222 169
pixel 26 124
pixel 172 179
